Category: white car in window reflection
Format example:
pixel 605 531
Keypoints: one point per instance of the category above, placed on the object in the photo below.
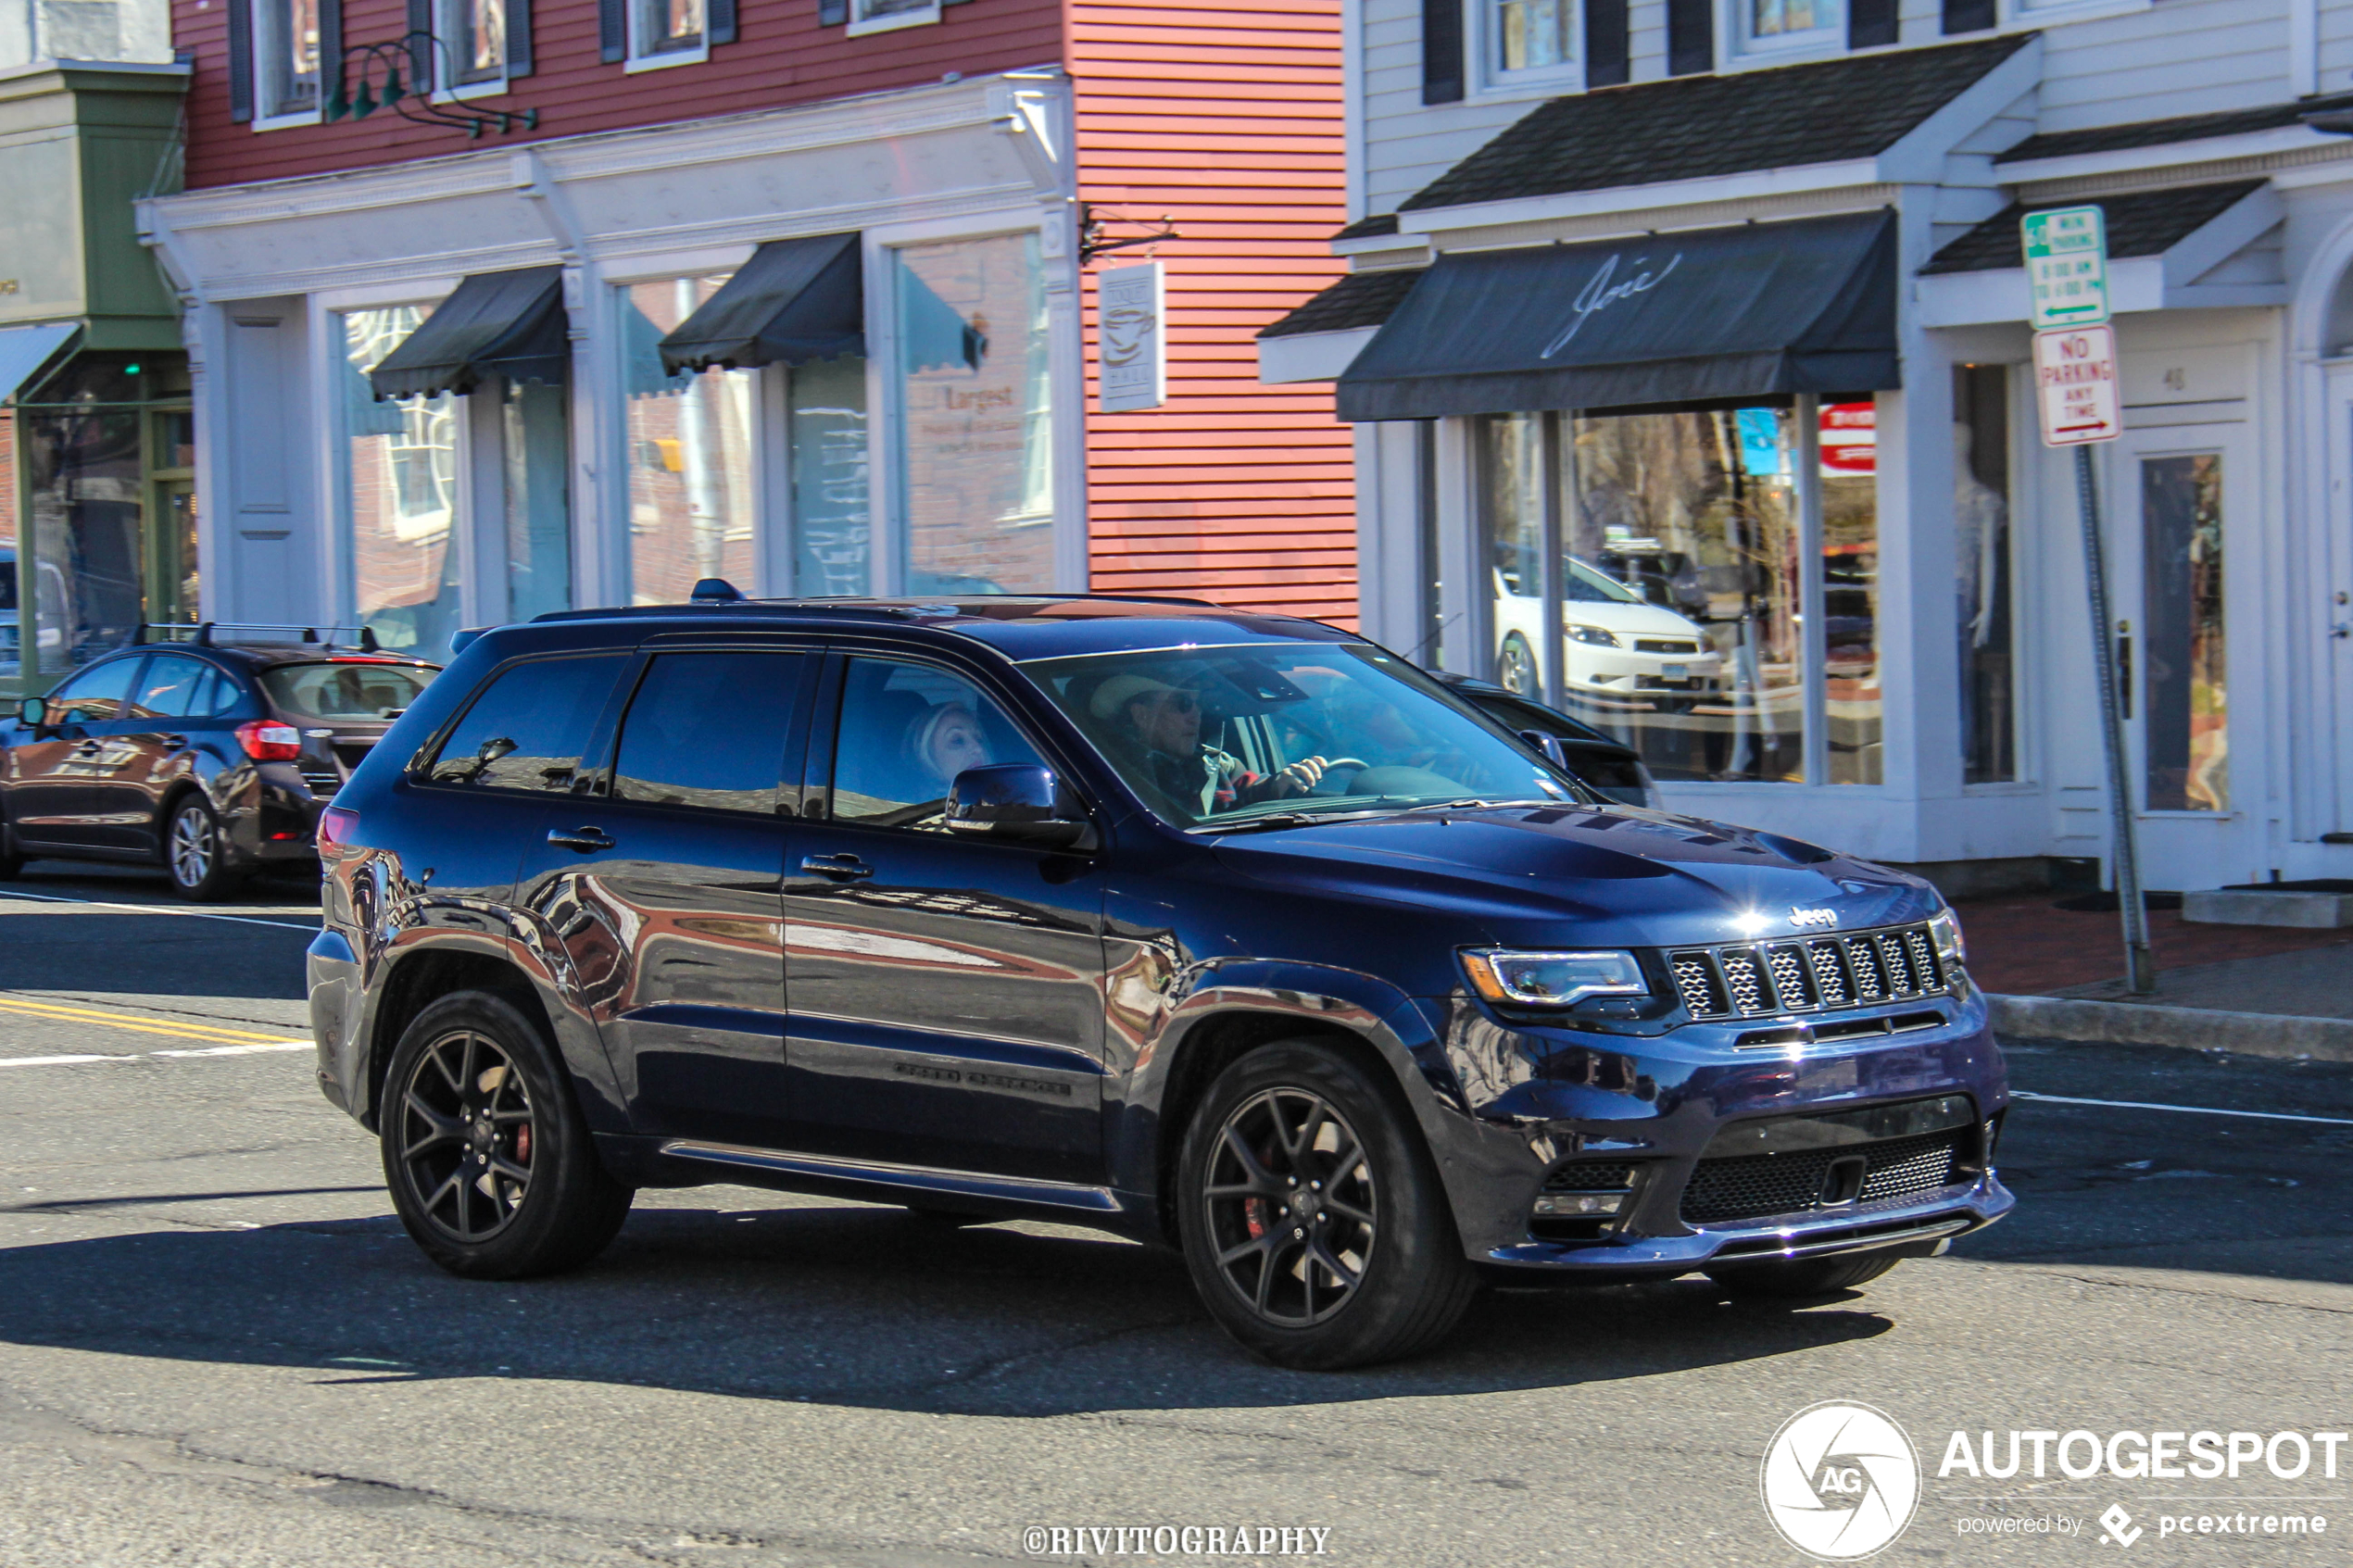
pixel 1620 644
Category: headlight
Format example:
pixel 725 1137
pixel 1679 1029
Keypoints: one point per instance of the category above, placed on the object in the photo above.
pixel 1552 980
pixel 1599 636
pixel 1945 928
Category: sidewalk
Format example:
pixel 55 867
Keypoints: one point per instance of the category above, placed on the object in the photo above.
pixel 2255 990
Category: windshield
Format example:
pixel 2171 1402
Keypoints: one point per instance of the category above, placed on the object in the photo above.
pixel 1209 737
pixel 353 690
pixel 1587 584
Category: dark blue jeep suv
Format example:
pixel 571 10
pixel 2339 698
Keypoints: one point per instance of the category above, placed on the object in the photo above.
pixel 1226 929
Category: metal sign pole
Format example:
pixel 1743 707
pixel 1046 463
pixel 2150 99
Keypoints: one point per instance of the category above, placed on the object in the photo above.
pixel 2140 968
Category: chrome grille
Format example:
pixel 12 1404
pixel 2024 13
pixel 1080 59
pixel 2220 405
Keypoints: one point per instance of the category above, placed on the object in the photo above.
pixel 1743 980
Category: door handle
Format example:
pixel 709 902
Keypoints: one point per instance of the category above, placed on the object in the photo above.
pixel 582 839
pixel 88 749
pixel 174 743
pixel 841 868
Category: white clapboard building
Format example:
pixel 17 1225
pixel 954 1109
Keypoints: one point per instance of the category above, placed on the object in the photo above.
pixel 1685 346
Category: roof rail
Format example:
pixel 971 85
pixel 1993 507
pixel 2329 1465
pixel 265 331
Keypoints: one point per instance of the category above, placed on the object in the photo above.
pixel 203 634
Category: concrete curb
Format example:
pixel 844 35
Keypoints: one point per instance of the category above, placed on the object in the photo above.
pixel 2202 1029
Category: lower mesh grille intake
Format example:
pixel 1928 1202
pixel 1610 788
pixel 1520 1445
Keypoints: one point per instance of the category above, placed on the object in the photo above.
pixel 1748 980
pixel 1591 1175
pixel 1758 1185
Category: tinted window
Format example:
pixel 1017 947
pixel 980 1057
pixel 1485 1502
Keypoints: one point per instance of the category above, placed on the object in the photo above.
pixel 173 686
pixel 907 730
pixel 220 695
pixel 95 694
pixel 352 691
pixel 527 730
pixel 708 729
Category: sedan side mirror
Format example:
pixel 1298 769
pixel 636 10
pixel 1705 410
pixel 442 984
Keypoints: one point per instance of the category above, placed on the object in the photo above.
pixel 33 711
pixel 1017 803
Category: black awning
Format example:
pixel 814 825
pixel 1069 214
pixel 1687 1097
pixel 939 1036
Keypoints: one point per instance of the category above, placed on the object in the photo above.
pixel 1744 312
pixel 508 324
pixel 794 301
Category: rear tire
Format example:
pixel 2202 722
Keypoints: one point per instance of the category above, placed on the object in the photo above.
pixel 490 1163
pixel 195 854
pixel 1314 1222
pixel 1801 1276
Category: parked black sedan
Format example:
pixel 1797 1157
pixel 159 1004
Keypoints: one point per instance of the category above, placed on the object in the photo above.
pixel 213 758
pixel 1610 767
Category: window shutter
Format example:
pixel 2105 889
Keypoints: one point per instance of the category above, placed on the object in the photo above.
pixel 833 13
pixel 1869 23
pixel 1968 16
pixel 422 67
pixel 1442 51
pixel 612 30
pixel 330 49
pixel 240 60
pixel 517 38
pixel 720 15
pixel 1691 37
pixel 1605 53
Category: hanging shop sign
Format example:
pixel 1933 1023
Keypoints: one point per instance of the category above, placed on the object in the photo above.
pixel 1130 303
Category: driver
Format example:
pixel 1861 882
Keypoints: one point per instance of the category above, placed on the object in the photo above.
pixel 1164 723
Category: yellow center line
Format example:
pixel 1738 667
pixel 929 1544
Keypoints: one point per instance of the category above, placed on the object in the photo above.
pixel 56 1012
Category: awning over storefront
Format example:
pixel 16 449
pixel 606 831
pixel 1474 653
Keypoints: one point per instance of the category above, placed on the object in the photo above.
pixel 1750 311
pixel 510 324
pixel 795 301
pixel 26 351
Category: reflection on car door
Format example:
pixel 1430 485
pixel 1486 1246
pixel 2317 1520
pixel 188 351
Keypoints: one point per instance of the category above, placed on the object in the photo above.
pixel 945 998
pixel 143 753
pixel 54 794
pixel 660 886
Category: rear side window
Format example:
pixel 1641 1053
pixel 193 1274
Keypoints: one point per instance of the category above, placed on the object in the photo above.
pixel 708 730
pixel 173 686
pixel 353 691
pixel 529 726
pixel 907 731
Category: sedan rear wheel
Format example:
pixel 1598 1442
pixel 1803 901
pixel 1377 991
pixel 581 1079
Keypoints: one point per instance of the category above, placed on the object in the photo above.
pixel 193 853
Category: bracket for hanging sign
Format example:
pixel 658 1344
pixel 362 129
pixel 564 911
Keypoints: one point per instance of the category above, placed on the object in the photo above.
pixel 390 92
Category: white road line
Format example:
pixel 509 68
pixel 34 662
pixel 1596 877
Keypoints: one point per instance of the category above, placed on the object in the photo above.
pixel 6 1061
pixel 244 1050
pixel 2186 1109
pixel 155 910
pixel 56 1061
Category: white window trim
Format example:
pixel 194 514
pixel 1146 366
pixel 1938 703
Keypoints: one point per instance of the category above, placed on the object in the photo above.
pixel 1492 84
pixel 2020 15
pixel 257 38
pixel 639 60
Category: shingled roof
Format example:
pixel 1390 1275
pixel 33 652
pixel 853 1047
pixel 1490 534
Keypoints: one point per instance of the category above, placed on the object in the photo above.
pixel 2159 132
pixel 1690 127
pixel 1368 228
pixel 2145 223
pixel 1361 299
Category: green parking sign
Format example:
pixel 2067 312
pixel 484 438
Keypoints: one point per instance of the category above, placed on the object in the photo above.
pixel 2066 266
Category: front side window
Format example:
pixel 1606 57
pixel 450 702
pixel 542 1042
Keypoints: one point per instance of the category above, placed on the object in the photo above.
pixel 1209 737
pixel 708 730
pixel 528 730
pixel 692 497
pixel 976 450
pixel 1532 35
pixel 400 493
pixel 668 27
pixel 907 730
pixel 286 41
pixel 95 695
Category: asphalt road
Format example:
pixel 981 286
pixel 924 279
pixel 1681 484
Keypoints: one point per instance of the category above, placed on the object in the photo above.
pixel 215 1345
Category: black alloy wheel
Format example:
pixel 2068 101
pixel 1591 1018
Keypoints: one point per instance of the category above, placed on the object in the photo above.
pixel 489 1160
pixel 1314 1222
pixel 1292 1207
pixel 466 1126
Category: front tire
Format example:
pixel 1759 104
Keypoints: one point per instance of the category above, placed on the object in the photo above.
pixel 1788 1277
pixel 1515 666
pixel 196 853
pixel 1313 1223
pixel 490 1164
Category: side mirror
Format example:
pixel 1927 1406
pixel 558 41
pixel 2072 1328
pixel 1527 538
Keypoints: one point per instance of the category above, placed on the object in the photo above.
pixel 1017 803
pixel 33 711
pixel 1554 753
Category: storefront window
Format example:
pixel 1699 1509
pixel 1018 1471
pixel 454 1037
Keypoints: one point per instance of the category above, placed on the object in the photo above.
pixel 536 432
pixel 976 454
pixel 11 621
pixel 1513 468
pixel 832 534
pixel 400 492
pixel 1982 550
pixel 1853 702
pixel 2188 723
pixel 81 520
pixel 1696 516
pixel 692 510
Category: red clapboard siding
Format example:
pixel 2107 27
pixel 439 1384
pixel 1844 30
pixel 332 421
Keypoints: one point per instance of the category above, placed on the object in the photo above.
pixel 1229 122
pixel 781 57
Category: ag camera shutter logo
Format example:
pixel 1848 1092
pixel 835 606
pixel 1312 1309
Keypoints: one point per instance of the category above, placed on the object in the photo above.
pixel 1840 1481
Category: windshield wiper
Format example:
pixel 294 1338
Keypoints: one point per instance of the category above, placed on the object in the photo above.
pixel 1285 820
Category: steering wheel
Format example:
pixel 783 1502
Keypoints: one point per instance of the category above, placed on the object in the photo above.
pixel 1358 763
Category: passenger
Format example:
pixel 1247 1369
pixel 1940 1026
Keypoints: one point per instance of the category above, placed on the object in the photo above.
pixel 1164 723
pixel 943 742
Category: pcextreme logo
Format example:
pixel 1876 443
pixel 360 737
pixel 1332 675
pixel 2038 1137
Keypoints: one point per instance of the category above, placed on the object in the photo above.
pixel 1840 1481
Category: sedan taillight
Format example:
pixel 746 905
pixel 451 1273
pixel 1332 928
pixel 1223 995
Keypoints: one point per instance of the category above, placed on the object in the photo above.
pixel 268 741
